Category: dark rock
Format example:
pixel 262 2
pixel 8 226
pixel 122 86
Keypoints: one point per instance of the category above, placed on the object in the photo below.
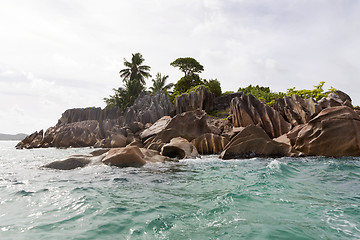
pixel 77 161
pixel 336 99
pixel 210 143
pixel 34 140
pixel 291 136
pixel 222 103
pixel 188 125
pixel 296 110
pixel 77 134
pixel 335 132
pixel 247 110
pixel 149 108
pixel 201 99
pixel 179 148
pixel 84 114
pixel 252 141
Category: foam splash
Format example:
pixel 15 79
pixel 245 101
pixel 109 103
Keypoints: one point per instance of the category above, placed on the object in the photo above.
pixel 274 165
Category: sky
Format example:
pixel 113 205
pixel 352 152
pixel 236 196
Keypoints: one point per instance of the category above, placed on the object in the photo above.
pixel 61 54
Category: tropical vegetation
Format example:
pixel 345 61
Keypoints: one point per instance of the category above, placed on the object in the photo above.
pixel 133 77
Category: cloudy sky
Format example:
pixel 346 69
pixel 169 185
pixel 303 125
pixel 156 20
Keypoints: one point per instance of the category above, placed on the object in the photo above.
pixel 62 54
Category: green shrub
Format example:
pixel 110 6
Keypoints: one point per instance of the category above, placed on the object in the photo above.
pixel 262 93
pixel 317 93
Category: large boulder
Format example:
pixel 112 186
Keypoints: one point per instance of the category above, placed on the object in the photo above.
pixel 132 156
pixel 335 132
pixel 253 141
pixel 78 161
pixel 149 108
pixel 210 143
pixel 179 148
pixel 157 127
pixel 125 157
pixel 248 110
pixel 200 98
pixel 297 110
pixel 188 125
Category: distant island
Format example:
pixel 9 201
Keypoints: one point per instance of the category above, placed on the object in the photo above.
pixel 20 136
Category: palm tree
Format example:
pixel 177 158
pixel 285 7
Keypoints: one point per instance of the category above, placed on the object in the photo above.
pixel 159 83
pixel 135 70
pixel 134 83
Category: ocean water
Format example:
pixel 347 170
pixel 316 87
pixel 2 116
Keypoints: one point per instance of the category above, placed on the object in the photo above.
pixel 207 198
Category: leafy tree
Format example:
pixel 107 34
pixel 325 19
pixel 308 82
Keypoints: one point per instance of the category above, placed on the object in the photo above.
pixel 159 84
pixel 189 66
pixel 214 86
pixel 187 82
pixel 134 83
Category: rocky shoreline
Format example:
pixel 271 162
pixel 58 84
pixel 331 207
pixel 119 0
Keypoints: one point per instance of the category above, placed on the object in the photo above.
pixel 155 130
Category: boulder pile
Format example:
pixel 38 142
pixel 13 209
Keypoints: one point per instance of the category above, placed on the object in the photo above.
pixel 154 130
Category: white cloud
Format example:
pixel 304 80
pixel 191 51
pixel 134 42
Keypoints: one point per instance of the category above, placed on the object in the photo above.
pixel 74 49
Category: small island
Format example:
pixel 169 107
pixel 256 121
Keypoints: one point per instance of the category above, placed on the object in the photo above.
pixel 196 118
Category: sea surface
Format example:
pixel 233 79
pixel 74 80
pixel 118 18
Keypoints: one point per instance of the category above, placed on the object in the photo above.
pixel 207 198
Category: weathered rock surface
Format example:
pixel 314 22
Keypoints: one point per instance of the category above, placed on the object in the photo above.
pixel 77 134
pixel 77 161
pixel 200 99
pixel 132 156
pixel 334 132
pixel 149 108
pixel 248 110
pixel 125 157
pixel 188 125
pixel 296 110
pixel 253 141
pixel 210 143
pixel 32 141
pixel 157 127
pixel 84 114
pixel 290 137
pixel 179 148
pixel 222 103
pixel 336 99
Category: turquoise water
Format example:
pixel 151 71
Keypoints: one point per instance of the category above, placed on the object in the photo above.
pixel 306 198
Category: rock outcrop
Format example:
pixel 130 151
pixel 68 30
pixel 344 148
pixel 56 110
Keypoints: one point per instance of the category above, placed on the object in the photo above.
pixel 248 110
pixel 102 127
pixel 222 103
pixel 252 141
pixel 149 108
pixel 179 148
pixel 296 110
pixel 210 143
pixel 84 114
pixel 335 132
pixel 34 140
pixel 188 125
pixel 200 99
pixel 336 99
